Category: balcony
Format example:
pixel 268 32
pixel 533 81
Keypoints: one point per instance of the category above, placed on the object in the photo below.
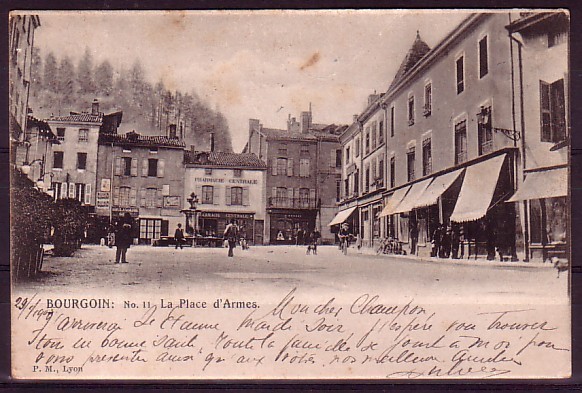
pixel 486 147
pixel 292 203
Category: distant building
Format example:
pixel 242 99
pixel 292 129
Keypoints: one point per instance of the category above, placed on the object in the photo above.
pixel 143 176
pixel 73 162
pixel 540 42
pixel 228 186
pixel 302 181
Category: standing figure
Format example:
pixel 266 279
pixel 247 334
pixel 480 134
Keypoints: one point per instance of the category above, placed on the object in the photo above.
pixel 123 238
pixel 436 241
pixel 179 237
pixel 313 239
pixel 231 235
pixel 455 241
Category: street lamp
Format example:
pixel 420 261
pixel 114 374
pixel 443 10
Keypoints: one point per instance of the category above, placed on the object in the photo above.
pixel 484 118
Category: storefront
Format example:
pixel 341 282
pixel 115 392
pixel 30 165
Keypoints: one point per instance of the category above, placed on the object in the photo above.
pixel 348 215
pixel 284 225
pixel 545 195
pixel 214 223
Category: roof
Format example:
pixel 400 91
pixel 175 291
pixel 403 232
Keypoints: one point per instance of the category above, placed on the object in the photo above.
pixel 557 20
pixel 134 139
pixel 75 117
pixel 43 127
pixel 223 159
pixel 418 50
pixel 323 132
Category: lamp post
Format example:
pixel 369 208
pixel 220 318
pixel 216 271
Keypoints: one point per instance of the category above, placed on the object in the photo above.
pixel 192 213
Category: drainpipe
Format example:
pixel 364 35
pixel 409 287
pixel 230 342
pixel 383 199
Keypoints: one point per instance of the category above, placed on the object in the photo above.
pixel 522 124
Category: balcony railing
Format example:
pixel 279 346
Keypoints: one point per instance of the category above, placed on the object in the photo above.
pixel 487 146
pixel 292 203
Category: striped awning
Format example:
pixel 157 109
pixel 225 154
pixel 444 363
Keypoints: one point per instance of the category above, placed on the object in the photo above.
pixel 437 188
pixel 416 190
pixel 342 216
pixel 394 201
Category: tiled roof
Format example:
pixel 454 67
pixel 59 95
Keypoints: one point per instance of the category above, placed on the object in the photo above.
pixel 79 117
pixel 418 50
pixel 222 159
pixel 328 132
pixel 135 139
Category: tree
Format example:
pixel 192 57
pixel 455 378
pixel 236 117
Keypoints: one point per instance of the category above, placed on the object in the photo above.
pixel 85 74
pixel 104 78
pixel 66 83
pixel 51 73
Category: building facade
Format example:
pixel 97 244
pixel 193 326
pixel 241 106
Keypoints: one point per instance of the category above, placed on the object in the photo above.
pixel 73 161
pixel 228 186
pixel 448 148
pixel 21 44
pixel 143 176
pixel 541 48
pixel 304 168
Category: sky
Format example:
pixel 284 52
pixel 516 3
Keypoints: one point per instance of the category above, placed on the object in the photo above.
pixel 260 64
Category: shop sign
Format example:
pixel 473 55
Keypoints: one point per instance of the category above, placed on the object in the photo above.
pixel 290 216
pixel 226 215
pixel 172 201
pixel 105 185
pixel 219 180
pixel 134 211
pixel 102 201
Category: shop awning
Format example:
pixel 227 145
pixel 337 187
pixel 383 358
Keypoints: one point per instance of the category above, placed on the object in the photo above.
pixel 437 188
pixel 416 190
pixel 544 184
pixel 477 190
pixel 341 216
pixel 394 201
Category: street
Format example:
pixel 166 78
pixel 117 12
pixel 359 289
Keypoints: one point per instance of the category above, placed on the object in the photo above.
pixel 275 270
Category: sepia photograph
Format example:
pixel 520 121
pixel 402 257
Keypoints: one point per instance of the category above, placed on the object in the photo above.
pixel 290 194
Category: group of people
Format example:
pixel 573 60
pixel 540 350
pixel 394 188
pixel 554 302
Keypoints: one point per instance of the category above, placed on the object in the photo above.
pixel 446 242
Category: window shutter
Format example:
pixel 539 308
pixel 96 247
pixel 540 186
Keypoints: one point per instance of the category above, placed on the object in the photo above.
pixel 64 191
pixel 273 196
pixel 133 197
pixel 142 197
pixel 307 167
pixel 228 196
pixel 216 195
pixel 144 167
pixel 166 190
pixel 312 197
pixel 87 194
pixel 332 158
pixel 289 167
pixel 161 165
pixel 159 198
pixel 198 192
pixel 72 191
pixel 118 166
pixel 245 196
pixel 274 167
pixel 290 197
pixel 134 167
pixel 558 105
pixel 116 196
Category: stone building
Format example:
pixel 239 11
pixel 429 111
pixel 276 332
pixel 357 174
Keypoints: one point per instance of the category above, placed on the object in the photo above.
pixel 540 45
pixel 228 186
pixel 304 164
pixel 143 176
pixel 448 145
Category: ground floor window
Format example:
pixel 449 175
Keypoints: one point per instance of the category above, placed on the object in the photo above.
pixel 289 230
pixel 548 220
pixel 403 229
pixel 152 228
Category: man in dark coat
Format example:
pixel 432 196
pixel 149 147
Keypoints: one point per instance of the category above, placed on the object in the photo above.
pixel 179 237
pixel 231 235
pixel 123 238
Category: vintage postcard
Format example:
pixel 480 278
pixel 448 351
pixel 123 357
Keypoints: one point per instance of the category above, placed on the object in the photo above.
pixel 278 194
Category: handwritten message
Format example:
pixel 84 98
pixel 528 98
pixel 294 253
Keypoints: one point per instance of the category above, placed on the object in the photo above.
pixel 295 336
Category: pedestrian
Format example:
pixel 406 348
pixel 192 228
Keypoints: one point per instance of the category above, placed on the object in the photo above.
pixel 179 237
pixel 313 239
pixel 445 243
pixel 231 235
pixel 123 238
pixel 455 241
pixel 437 236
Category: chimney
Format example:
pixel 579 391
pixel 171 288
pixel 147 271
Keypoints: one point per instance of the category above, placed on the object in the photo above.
pixel 355 118
pixel 254 124
pixel 292 124
pixel 305 122
pixel 212 141
pixel 372 98
pixel 95 107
